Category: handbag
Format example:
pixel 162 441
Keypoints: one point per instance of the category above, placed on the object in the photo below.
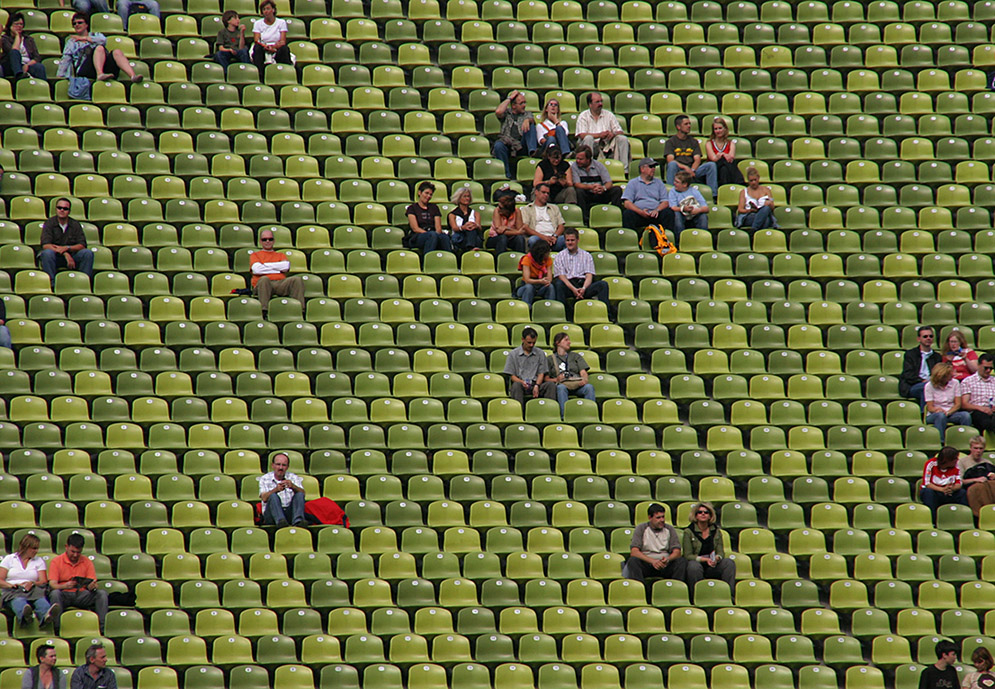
pixel 572 383
pixel 79 88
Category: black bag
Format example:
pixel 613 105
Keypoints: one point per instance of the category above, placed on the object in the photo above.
pixel 978 470
pixel 137 8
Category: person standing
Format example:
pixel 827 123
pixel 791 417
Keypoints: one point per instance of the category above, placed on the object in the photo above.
pixel 600 131
pixel 44 675
pixel 282 491
pixel 269 273
pixel 683 152
pixel 655 551
pixel 917 365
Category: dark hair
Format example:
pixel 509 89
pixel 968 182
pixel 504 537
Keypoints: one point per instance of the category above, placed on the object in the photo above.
pixel 680 119
pixel 539 251
pixel 923 327
pixel 11 19
pixel 43 650
pixel 654 509
pixel 91 652
pixel 986 358
pixel 267 2
pixel 529 332
pixel 75 540
pixel 227 17
pixel 559 338
pixel 946 455
pixel 944 647
pixel 85 17
pixel 550 150
pixel 541 184
pixel 573 231
pixel 585 149
pixel 425 185
pixel 983 654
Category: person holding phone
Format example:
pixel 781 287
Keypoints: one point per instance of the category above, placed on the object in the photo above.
pixel 72 581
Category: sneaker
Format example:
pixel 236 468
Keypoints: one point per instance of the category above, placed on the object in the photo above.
pixel 52 613
pixel 27 614
pixel 282 523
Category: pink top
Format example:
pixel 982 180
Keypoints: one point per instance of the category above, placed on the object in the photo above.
pixel 945 396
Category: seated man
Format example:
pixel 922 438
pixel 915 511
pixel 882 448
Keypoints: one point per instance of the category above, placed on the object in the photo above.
pixel 683 152
pixel 518 131
pixel 527 369
pixel 689 206
pixel 978 393
pixel 125 9
pixel 655 550
pixel 281 490
pixel 569 371
pixel 593 182
pixel 269 274
pixel 646 199
pixel 917 366
pixel 542 220
pixel 574 271
pixel 63 244
pixel 230 44
pixel 72 581
pixel 600 131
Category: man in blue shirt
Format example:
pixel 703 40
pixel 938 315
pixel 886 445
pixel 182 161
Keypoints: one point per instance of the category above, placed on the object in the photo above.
pixel 688 205
pixel 645 199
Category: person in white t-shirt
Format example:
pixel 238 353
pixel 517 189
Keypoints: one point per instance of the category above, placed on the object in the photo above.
pixel 551 128
pixel 599 129
pixel 543 221
pixel 22 583
pixel 269 36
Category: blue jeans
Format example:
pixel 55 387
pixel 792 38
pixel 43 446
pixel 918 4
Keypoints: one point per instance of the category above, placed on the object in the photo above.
pixel 699 221
pixel 705 171
pixel 16 70
pixel 503 153
pixel 431 241
pixel 224 58
pixel 527 293
pixel 276 513
pixel 757 220
pixel 562 395
pixel 502 242
pixel 51 261
pixel 123 5
pixel 935 499
pixel 559 137
pixel 559 245
pixel 5 340
pixel 918 393
pixel 91 6
pixel 941 421
pixel 40 605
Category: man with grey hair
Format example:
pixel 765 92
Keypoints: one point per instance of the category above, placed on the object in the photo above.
pixel 601 132
pixel 269 273
pixel 280 491
pixel 94 674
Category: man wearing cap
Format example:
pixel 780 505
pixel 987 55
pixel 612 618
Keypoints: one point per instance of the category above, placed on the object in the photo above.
pixel 600 131
pixel 269 273
pixel 683 152
pixel 645 199
pixel 282 491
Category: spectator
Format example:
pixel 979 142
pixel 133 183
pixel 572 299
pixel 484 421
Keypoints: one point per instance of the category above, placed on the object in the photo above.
pixel 507 231
pixel 63 243
pixel 85 57
pixel 982 677
pixel 526 368
pixel 942 674
pixel 959 355
pixel 574 271
pixel 756 204
pixel 537 274
pixel 72 580
pixel 689 206
pixel 555 172
pixel 916 367
pixel 230 44
pixel 655 550
pixel 18 55
pixel 269 38
pixel 683 152
pixel 126 8
pixel 94 672
pixel 269 273
pixel 721 151
pixel 465 232
pixel 425 223
pixel 569 371
pixel 978 395
pixel 646 199
pixel 44 675
pixel 542 221
pixel 978 475
pixel 517 131
pixel 88 7
pixel 5 340
pixel 704 547
pixel 593 182
pixel 941 481
pixel 22 583
pixel 281 491
pixel 551 129
pixel 600 131
pixel 942 394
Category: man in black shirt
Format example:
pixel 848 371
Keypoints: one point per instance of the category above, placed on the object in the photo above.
pixel 941 675
pixel 593 182
pixel 63 244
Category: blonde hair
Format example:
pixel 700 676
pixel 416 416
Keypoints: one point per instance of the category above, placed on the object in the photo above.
pixel 708 506
pixel 458 194
pixel 941 374
pixel 752 171
pixel 29 540
pixel 722 121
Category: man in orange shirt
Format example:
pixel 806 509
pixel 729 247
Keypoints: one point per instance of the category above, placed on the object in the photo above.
pixel 72 581
pixel 269 273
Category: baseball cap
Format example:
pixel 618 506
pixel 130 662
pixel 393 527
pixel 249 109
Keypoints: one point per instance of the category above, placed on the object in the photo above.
pixel 648 161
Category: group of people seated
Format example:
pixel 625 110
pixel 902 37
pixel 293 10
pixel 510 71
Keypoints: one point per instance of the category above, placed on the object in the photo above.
pixel 534 375
pixel 953 479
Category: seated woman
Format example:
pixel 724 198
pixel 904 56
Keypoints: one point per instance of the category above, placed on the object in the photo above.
pixel 941 481
pixel 982 677
pixel 425 222
pixel 537 274
pixel 507 232
pixel 703 545
pixel 269 36
pixel 550 129
pixel 464 223
pixel 18 55
pixel 85 57
pixel 722 151
pixel 756 204
pixel 555 172
pixel 959 355
pixel 942 394
pixel 22 583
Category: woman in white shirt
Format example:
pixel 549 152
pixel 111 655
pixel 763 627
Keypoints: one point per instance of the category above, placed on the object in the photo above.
pixel 464 222
pixel 756 204
pixel 551 129
pixel 269 36
pixel 942 395
pixel 23 582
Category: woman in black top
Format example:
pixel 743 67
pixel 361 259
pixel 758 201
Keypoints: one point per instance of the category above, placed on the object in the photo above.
pixel 704 547
pixel 18 55
pixel 555 172
pixel 464 222
pixel 425 222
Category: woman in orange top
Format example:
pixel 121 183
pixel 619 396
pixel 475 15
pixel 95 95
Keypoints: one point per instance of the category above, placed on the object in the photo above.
pixel 537 274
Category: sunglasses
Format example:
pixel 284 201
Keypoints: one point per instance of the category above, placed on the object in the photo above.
pixel 268 239
pixel 78 22
pixel 704 512
pixel 62 208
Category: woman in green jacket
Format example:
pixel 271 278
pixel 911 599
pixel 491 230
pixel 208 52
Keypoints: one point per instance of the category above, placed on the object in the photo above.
pixel 704 547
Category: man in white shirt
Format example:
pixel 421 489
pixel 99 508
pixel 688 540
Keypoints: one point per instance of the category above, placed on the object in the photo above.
pixel 280 490
pixel 599 129
pixel 542 220
pixel 573 269
pixel 269 273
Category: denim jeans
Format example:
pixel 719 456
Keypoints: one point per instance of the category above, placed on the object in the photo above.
pixel 15 67
pixel 502 242
pixel 706 172
pixel 5 340
pixel 276 513
pixel 503 153
pixel 40 605
pixel 559 245
pixel 563 394
pixel 431 241
pixel 559 137
pixel 224 58
pixel 124 5
pixel 51 261
pixel 91 6
pixel 918 393
pixel 527 293
pixel 699 221
pixel 941 421
pixel 934 499
pixel 757 220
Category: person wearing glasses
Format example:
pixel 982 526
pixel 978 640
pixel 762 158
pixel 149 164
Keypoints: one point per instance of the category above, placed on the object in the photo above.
pixel 655 551
pixel 978 395
pixel 18 55
pixel 269 273
pixel 63 244
pixel 85 55
pixel 704 547
pixel 551 129
pixel 917 366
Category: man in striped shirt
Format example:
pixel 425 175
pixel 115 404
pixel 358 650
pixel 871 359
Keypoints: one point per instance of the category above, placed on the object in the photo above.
pixel 574 271
pixel 978 395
